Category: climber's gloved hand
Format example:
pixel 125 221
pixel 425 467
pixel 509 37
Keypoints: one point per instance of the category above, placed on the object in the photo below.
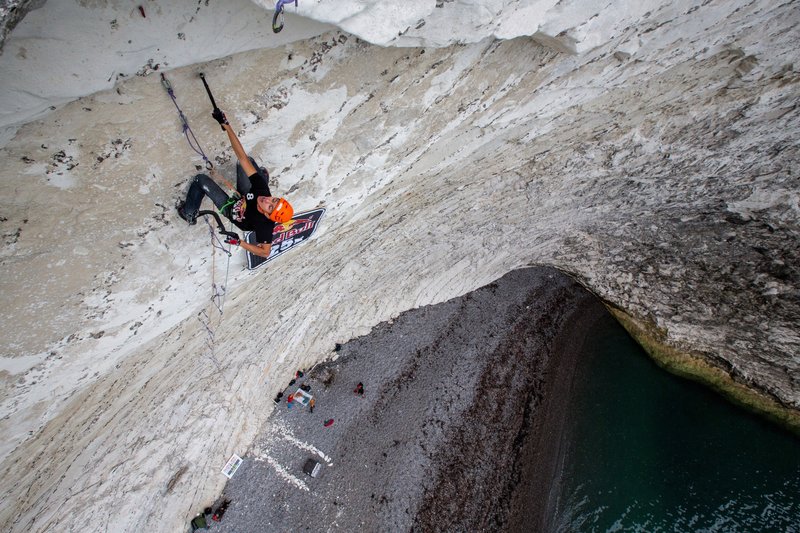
pixel 232 240
pixel 220 117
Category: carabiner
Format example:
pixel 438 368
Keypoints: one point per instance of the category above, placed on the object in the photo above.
pixel 276 28
pixel 165 82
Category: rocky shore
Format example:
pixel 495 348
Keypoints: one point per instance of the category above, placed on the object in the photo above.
pixel 459 429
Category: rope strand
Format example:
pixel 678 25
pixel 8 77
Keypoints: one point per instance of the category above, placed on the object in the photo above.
pixel 218 296
pixel 194 144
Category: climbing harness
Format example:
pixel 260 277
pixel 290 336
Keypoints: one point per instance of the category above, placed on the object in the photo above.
pixel 231 201
pixel 277 18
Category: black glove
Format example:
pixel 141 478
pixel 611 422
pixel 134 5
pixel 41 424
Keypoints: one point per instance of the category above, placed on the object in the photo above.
pixel 220 117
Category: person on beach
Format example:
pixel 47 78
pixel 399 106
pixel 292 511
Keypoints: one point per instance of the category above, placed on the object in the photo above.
pixel 359 389
pixel 289 401
pixel 311 405
pixel 220 512
pixel 252 209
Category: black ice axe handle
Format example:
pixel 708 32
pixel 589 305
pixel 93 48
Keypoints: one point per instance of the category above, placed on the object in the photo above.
pixel 208 90
pixel 219 224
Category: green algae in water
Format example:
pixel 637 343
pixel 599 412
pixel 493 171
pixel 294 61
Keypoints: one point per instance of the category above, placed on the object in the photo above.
pixel 652 452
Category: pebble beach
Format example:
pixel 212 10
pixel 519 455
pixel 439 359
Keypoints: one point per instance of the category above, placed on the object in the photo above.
pixel 460 426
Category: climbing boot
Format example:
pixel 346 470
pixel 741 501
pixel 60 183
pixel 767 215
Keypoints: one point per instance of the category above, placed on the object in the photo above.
pixel 191 219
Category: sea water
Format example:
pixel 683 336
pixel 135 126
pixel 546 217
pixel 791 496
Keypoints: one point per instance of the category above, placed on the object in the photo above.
pixel 648 451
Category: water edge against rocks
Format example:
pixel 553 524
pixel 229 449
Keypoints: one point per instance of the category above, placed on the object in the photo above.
pixel 649 451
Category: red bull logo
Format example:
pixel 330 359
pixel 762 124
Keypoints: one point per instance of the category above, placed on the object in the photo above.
pixel 287 235
pixel 289 229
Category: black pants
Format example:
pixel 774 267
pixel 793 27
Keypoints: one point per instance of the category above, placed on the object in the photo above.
pixel 202 185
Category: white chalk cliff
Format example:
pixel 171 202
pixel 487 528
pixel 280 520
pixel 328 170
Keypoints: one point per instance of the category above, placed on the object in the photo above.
pixel 647 148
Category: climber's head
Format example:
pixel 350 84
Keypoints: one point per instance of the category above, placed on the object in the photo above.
pixel 276 209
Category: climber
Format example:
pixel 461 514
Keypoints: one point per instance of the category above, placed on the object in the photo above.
pixel 252 209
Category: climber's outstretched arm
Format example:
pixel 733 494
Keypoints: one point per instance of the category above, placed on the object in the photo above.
pixel 238 149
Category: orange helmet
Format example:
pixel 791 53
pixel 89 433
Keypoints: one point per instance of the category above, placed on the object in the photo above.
pixel 283 212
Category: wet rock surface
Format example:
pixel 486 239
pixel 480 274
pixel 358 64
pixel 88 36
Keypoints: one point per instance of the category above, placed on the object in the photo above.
pixel 459 427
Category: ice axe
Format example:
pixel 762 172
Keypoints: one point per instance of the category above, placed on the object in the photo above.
pixel 217 113
pixel 230 236
pixel 208 90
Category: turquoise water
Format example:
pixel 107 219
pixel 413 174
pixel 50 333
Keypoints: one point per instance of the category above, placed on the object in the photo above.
pixel 652 452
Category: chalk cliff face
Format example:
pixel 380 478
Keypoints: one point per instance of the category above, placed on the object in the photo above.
pixel 652 154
